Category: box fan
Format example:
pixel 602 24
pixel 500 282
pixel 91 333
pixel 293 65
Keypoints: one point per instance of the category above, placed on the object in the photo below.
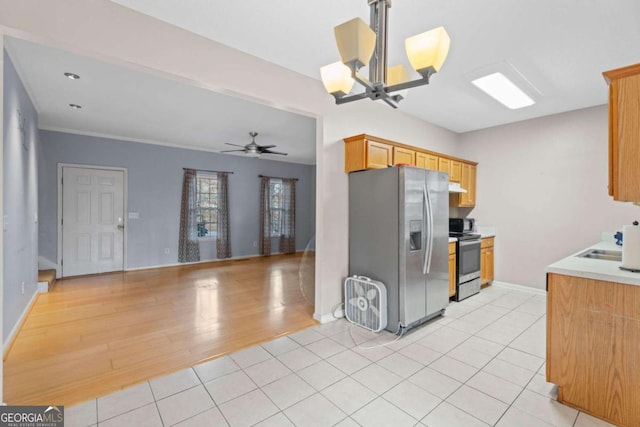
pixel 365 303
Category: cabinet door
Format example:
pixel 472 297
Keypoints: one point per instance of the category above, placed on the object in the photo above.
pixel 483 267
pixel 379 155
pixel 402 155
pixel 626 179
pixel 489 262
pixel 452 275
pixel 432 162
pixel 444 165
pixel 471 196
pixel 455 173
pixel 421 160
pixel 427 161
pixel 464 198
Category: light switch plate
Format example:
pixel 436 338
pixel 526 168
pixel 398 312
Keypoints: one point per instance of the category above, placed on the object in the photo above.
pixel 134 215
pixel 5 222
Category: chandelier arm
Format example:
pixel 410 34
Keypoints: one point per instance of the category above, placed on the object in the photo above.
pixel 408 85
pixel 350 98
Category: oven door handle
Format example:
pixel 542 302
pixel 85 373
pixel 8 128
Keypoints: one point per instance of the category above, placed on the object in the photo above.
pixel 428 211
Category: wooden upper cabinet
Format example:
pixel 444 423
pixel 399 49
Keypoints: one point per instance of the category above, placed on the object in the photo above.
pixel 361 153
pixel 426 161
pixel 455 171
pixel 468 182
pixel 624 133
pixel 402 155
pixel 444 165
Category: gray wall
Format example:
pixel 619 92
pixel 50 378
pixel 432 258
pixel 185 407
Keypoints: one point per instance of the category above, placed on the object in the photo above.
pixel 543 184
pixel 20 199
pixel 154 190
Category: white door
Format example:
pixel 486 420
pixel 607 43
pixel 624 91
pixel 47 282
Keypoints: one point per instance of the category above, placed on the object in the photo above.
pixel 92 221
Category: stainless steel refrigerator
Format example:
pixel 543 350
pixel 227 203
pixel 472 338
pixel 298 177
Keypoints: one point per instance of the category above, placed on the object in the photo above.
pixel 399 234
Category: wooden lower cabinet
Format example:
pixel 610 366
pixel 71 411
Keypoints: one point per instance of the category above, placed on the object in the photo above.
pixel 452 269
pixel 486 261
pixel 593 346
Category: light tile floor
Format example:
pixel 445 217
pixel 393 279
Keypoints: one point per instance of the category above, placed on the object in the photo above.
pixel 481 364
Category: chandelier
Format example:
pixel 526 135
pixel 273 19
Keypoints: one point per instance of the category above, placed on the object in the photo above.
pixel 361 44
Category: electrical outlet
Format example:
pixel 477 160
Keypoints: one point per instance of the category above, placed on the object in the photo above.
pixel 167 251
pixel 22 288
pixel 255 244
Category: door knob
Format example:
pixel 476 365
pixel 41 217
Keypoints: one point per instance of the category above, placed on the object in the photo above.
pixel 120 227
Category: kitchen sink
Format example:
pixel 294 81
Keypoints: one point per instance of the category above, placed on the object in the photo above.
pixel 602 254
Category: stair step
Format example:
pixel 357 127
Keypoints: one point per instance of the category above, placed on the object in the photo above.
pixel 48 276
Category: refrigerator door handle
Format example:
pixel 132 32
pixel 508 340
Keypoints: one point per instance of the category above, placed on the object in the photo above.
pixel 426 266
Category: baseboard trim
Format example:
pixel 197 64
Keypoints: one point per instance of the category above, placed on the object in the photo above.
pixel 8 343
pixel 516 287
pixel 181 264
pixel 330 317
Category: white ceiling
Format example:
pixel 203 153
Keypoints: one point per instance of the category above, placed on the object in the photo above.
pixel 126 104
pixel 561 47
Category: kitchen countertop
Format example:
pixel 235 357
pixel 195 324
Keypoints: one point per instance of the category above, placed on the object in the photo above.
pixel 597 269
pixel 452 239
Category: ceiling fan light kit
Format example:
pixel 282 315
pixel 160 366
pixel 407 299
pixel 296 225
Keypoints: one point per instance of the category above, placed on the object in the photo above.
pixel 360 44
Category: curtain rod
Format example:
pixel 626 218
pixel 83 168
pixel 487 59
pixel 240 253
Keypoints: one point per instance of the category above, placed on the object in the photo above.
pixel 276 177
pixel 204 170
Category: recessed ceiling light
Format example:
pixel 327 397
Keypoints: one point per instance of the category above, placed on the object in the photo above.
pixel 503 90
pixel 72 76
pixel 75 106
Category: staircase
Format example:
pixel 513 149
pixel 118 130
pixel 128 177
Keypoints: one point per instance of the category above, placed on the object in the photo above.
pixel 46 280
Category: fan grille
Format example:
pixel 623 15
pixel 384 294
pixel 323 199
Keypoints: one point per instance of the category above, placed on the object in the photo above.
pixel 365 302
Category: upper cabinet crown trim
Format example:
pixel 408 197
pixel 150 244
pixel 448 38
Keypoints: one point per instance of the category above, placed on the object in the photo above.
pixel 367 137
pixel 619 73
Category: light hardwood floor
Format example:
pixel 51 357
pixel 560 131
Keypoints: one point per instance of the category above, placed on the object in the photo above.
pixel 94 335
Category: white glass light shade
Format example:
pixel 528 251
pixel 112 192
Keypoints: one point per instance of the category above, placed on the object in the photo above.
pixel 428 50
pixel 337 78
pixel 356 41
pixel 396 75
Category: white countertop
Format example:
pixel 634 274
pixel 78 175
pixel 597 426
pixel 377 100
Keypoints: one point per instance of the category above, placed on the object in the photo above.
pixel 452 239
pixel 597 269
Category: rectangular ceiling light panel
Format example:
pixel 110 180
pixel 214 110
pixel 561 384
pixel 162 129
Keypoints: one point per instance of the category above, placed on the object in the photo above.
pixel 503 90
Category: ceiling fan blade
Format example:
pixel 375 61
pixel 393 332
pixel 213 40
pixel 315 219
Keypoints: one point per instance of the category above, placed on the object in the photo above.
pixel 265 147
pixel 231 151
pixel 235 145
pixel 273 152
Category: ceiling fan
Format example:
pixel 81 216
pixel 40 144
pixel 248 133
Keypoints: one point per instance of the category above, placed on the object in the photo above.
pixel 254 150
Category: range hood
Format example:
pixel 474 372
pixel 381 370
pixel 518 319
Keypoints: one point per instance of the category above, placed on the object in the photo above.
pixel 454 187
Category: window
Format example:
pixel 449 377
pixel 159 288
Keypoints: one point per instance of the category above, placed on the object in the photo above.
pixel 207 205
pixel 275 192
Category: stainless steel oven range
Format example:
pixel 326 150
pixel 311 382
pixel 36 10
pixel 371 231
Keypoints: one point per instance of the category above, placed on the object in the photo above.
pixel 467 264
